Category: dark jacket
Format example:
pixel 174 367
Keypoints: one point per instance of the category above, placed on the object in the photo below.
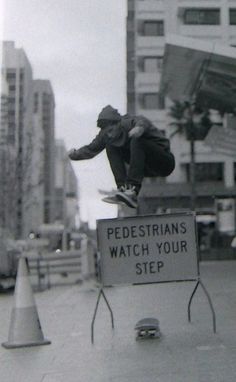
pixel 126 124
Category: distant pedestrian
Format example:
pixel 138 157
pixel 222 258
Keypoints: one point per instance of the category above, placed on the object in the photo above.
pixel 135 149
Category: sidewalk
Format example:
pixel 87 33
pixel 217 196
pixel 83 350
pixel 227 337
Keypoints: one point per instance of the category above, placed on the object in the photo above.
pixel 187 352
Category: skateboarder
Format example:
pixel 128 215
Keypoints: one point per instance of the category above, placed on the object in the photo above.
pixel 135 149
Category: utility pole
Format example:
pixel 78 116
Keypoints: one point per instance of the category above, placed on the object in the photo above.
pixel 192 166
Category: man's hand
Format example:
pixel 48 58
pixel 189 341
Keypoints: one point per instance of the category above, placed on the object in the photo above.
pixel 136 132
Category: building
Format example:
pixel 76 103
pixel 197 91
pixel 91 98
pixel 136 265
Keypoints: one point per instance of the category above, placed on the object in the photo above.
pixel 44 113
pixel 37 200
pixel 66 189
pixel 148 24
pixel 17 72
pixel 61 230
pixel 31 133
pixel 72 196
pixel 37 184
pixel 7 167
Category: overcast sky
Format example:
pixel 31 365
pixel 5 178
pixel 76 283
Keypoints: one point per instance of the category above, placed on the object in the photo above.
pixel 80 46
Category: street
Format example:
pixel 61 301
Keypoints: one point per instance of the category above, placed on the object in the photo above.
pixel 186 352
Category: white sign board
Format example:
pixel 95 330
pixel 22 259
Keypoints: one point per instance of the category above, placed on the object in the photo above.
pixel 148 249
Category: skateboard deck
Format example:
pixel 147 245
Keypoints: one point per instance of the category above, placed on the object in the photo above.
pixel 112 199
pixel 147 328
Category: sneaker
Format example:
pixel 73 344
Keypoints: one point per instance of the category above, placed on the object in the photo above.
pixel 112 199
pixel 128 196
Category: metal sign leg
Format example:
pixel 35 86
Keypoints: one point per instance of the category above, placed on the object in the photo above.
pixel 190 301
pixel 209 301
pixel 211 306
pixel 101 293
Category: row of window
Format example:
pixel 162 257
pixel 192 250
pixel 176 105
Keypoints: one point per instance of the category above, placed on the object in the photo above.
pixel 208 172
pixel 147 101
pixel 46 105
pixel 191 16
pixel 204 16
pixel 11 74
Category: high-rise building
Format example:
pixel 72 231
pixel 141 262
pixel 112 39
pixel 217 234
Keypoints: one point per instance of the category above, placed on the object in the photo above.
pixel 17 72
pixel 44 111
pixel 28 151
pixel 66 189
pixel 7 167
pixel 4 112
pixel 148 24
pixel 72 195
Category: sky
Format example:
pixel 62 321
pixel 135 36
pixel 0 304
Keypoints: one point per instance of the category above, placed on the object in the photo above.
pixel 80 46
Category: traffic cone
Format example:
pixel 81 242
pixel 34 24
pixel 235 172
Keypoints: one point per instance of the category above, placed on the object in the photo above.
pixel 25 328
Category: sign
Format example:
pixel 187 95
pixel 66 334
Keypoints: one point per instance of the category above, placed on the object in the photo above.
pixel 225 214
pixel 148 249
pixel 222 140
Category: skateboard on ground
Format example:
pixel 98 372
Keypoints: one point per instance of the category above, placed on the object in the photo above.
pixel 147 328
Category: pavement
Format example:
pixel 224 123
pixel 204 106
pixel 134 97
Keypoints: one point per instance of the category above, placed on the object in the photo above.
pixel 186 352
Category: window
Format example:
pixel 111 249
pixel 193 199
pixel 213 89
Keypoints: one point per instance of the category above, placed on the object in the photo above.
pixel 11 138
pixel 235 171
pixel 36 101
pixel 153 28
pixel 232 16
pixel 12 126
pixel 207 172
pixel 152 64
pixel 202 16
pixel 152 101
pixel 11 75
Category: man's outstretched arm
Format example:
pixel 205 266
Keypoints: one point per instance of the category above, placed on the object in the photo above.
pixel 88 151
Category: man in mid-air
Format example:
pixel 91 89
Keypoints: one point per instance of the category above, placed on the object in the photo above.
pixel 135 149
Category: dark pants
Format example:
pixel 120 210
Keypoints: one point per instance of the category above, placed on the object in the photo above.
pixel 145 158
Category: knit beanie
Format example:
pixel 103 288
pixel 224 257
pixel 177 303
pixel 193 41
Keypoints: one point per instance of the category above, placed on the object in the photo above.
pixel 109 113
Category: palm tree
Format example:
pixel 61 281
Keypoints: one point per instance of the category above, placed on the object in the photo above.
pixel 190 119
pixel 194 122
